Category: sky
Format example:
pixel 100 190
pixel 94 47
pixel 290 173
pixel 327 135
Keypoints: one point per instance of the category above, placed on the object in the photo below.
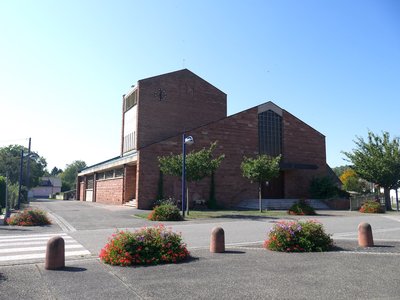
pixel 64 65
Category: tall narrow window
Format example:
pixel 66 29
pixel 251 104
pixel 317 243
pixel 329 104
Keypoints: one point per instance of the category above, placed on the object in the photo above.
pixel 130 101
pixel 270 133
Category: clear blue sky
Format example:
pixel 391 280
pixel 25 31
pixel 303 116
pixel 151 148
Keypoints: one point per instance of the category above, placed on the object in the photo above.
pixel 64 65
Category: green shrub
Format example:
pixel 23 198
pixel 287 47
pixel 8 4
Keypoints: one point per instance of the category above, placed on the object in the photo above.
pixel 13 190
pixel 301 208
pixel 169 200
pixel 152 245
pixel 324 188
pixel 165 212
pixel 298 236
pixel 371 207
pixel 29 217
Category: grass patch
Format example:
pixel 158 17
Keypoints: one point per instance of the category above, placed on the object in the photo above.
pixel 211 214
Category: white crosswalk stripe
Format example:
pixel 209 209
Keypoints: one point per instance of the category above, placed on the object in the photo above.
pixel 28 247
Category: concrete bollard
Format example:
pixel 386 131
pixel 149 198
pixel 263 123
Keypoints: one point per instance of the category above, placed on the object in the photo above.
pixel 55 254
pixel 365 238
pixel 217 243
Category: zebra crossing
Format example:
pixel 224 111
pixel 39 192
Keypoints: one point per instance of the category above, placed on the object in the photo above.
pixel 32 247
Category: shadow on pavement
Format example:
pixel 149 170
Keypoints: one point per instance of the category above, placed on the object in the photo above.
pixel 234 252
pixel 244 217
pixel 72 269
pixel 16 229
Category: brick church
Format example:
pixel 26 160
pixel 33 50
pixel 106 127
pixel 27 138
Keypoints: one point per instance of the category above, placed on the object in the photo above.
pixel 159 109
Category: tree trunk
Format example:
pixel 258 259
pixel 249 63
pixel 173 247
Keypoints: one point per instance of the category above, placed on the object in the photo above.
pixel 259 197
pixel 388 203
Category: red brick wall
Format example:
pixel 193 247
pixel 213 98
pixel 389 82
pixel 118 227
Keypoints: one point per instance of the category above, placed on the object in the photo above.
pixel 190 102
pixel 301 144
pixel 109 191
pixel 237 136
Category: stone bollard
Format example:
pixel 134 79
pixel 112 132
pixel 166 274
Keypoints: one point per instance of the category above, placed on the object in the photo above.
pixel 217 243
pixel 365 238
pixel 55 254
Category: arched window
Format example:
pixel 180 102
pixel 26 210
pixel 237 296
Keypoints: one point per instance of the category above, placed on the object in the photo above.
pixel 270 133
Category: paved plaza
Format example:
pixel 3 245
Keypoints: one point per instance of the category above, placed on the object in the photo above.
pixel 245 271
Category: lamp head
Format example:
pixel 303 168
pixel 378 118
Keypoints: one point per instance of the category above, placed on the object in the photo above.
pixel 189 140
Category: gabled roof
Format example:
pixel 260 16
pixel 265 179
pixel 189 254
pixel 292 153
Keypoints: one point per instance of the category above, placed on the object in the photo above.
pixel 185 71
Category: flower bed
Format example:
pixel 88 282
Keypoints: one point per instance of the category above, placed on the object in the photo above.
pixel 165 212
pixel 371 207
pixel 29 217
pixel 298 236
pixel 146 246
pixel 301 208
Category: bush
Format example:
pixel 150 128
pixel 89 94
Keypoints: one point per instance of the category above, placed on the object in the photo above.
pixel 29 217
pixel 301 208
pixel 146 246
pixel 165 212
pixel 371 207
pixel 298 236
pixel 12 190
pixel 324 188
pixel 169 200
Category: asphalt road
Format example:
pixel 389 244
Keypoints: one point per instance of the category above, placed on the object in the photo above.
pixel 245 271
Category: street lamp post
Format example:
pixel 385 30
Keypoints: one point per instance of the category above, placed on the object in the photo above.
pixel 186 140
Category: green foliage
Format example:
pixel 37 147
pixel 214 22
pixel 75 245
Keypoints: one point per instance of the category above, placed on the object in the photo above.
pixel 371 207
pixel 199 164
pixel 146 246
pixel 169 200
pixel 260 169
pixel 2 192
pixel 165 212
pixel 13 195
pixel 377 159
pixel 340 170
pixel 301 208
pixel 298 236
pixel 10 160
pixel 55 171
pixel 68 177
pixel 324 188
pixel 352 182
pixel 29 217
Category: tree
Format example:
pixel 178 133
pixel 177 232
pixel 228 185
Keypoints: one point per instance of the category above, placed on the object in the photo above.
pixel 352 182
pixel 260 169
pixel 2 192
pixel 10 160
pixel 68 177
pixel 377 160
pixel 340 170
pixel 55 171
pixel 199 164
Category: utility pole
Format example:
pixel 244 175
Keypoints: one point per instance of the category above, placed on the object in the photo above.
pixel 7 200
pixel 20 178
